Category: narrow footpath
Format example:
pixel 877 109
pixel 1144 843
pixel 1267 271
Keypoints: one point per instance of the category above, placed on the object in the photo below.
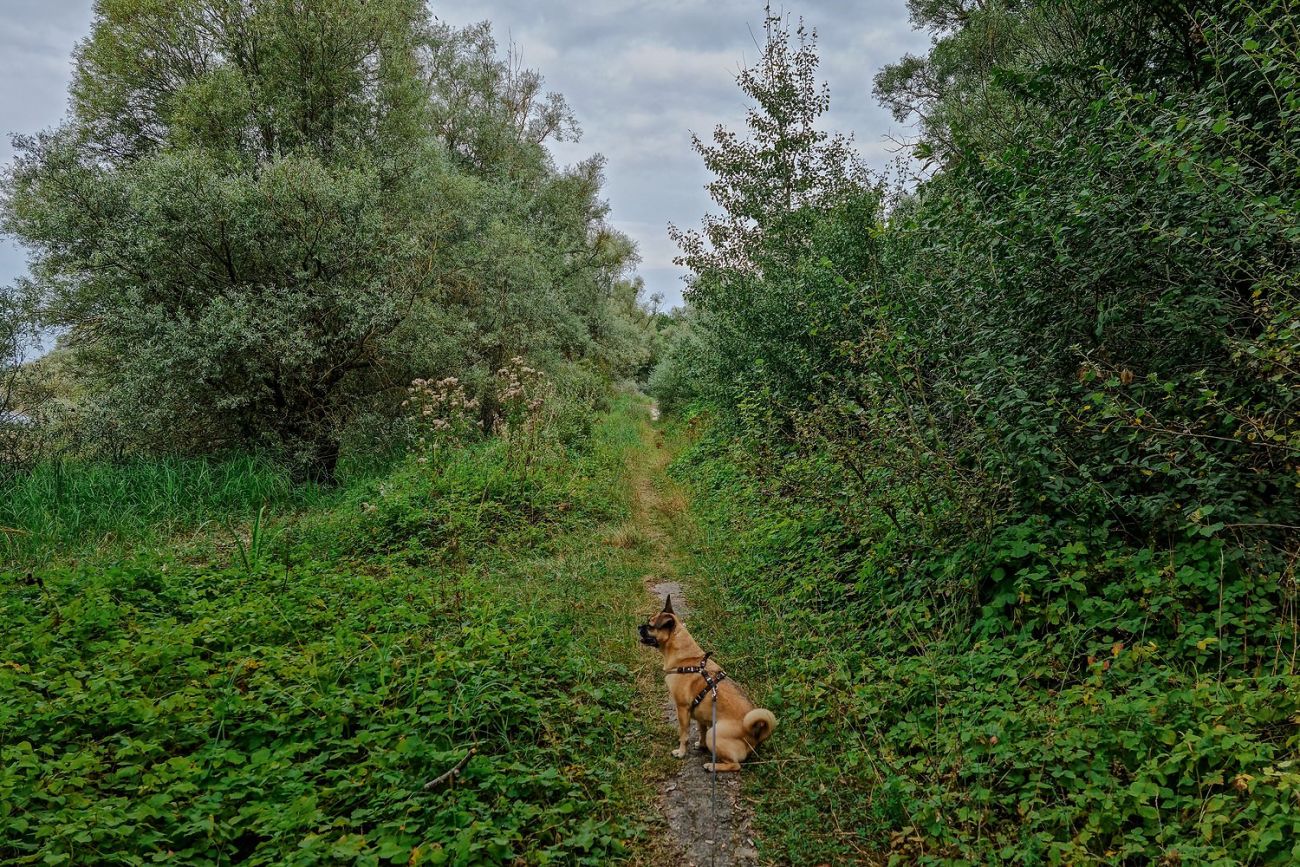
pixel 705 829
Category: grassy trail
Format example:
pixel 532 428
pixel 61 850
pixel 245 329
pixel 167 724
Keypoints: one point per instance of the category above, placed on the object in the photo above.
pixel 705 825
pixel 166 692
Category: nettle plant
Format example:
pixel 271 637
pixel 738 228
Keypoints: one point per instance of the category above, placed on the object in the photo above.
pixel 440 417
pixel 524 396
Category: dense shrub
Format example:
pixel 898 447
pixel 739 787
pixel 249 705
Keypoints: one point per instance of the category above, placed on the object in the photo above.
pixel 1057 696
pixel 1035 484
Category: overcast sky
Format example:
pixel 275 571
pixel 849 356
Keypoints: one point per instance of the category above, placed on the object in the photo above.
pixel 641 75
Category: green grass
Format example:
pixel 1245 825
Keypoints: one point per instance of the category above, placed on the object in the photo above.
pixel 195 704
pixel 69 507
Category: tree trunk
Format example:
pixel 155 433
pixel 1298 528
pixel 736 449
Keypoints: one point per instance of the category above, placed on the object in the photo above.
pixel 320 463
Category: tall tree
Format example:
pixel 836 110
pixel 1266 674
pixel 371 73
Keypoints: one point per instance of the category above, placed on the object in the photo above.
pixel 790 193
pixel 229 223
pixel 263 216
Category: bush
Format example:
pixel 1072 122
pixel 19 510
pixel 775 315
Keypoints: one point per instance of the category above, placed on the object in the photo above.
pixel 1073 698
pixel 1018 452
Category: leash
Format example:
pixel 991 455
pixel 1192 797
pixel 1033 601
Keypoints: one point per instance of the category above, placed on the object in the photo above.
pixel 713 853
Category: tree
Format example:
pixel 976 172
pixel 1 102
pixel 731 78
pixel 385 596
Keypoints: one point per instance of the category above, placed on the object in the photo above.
pixel 490 112
pixel 265 217
pixel 15 338
pixel 999 69
pixel 790 195
pixel 230 222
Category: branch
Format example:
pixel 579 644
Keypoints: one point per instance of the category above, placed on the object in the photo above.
pixel 453 773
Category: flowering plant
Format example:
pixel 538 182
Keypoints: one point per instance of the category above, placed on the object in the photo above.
pixel 523 395
pixel 440 416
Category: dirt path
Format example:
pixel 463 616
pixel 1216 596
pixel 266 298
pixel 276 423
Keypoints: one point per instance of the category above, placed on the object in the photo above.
pixel 709 827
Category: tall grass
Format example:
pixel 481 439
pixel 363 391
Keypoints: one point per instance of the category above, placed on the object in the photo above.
pixel 69 506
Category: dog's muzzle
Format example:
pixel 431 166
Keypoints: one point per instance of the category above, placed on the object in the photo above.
pixel 646 638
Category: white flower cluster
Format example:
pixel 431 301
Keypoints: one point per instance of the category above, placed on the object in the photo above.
pixel 523 393
pixel 440 414
pixel 521 389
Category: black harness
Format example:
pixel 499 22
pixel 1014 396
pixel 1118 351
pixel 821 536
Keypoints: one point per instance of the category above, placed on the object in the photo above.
pixel 711 680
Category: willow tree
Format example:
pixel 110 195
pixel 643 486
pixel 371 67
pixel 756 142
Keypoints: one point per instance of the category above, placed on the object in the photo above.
pixel 231 221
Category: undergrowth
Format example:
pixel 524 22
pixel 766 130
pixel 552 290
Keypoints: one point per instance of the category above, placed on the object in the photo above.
pixel 65 507
pixel 1057 696
pixel 287 699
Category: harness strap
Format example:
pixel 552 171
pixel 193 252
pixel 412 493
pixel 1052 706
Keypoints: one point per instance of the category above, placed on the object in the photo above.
pixel 696 669
pixel 710 681
pixel 711 685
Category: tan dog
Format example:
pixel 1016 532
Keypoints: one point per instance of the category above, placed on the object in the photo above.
pixel 741 726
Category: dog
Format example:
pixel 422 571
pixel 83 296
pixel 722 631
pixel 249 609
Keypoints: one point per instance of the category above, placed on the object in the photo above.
pixel 687 673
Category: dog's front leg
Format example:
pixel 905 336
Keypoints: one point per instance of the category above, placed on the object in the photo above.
pixel 683 726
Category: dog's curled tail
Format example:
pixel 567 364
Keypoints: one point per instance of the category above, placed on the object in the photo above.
pixel 759 722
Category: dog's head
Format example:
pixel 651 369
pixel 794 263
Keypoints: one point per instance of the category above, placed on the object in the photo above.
pixel 660 628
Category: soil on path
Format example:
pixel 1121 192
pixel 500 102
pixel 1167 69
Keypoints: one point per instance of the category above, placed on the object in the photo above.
pixel 709 824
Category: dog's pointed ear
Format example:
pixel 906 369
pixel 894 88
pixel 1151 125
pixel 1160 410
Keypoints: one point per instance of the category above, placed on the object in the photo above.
pixel 668 605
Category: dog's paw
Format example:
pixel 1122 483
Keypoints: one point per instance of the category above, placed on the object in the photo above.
pixel 679 753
